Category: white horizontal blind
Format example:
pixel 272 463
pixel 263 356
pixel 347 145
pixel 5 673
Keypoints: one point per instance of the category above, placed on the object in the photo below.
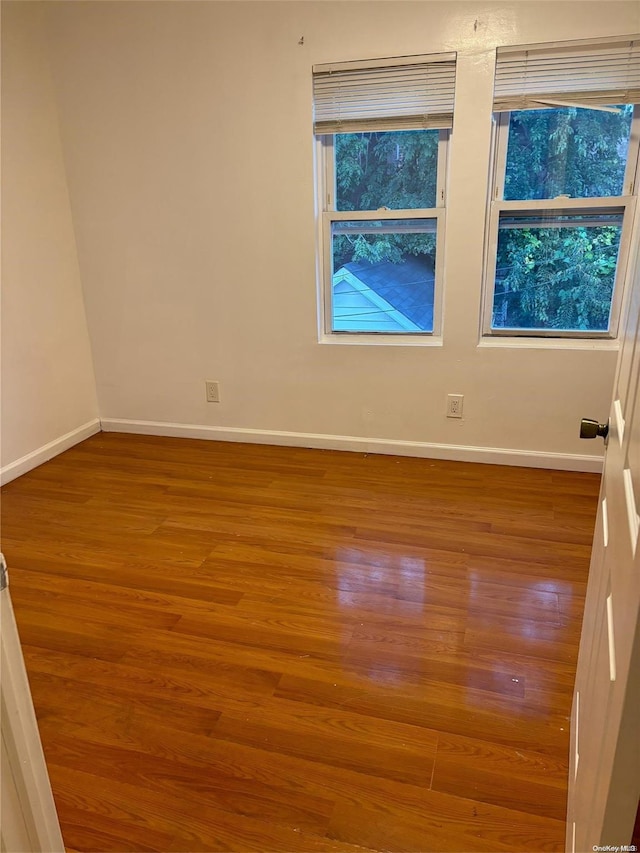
pixel 602 72
pixel 404 93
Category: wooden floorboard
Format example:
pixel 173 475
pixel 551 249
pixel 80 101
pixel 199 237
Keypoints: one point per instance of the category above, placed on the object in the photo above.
pixel 247 648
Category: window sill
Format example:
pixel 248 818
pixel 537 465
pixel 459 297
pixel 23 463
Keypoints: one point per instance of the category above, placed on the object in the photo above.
pixel 382 340
pixel 550 343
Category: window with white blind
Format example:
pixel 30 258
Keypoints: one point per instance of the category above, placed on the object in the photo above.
pixel 382 128
pixel 562 194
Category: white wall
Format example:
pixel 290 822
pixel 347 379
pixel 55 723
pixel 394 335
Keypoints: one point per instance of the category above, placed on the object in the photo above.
pixel 48 387
pixel 187 134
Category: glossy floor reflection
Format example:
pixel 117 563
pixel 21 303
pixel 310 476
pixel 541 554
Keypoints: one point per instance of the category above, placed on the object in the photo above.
pixel 237 647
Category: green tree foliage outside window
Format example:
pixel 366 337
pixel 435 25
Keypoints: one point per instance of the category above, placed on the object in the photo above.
pixel 549 278
pixel 394 170
pixel 556 278
pixel 562 277
pixel 570 151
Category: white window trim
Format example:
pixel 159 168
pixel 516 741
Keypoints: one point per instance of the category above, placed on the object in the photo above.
pixel 604 344
pixel 328 214
pixel 496 206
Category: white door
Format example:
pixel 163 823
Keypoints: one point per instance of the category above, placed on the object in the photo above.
pixel 604 775
pixel 29 820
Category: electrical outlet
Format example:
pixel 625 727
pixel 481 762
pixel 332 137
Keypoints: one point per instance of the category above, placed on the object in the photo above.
pixel 213 391
pixel 454 405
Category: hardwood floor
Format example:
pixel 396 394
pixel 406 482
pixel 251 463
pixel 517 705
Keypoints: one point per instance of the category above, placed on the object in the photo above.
pixel 249 648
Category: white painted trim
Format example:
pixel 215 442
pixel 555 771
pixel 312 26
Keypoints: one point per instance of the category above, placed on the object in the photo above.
pixel 611 635
pixel 577 737
pixel 382 339
pixel 551 343
pixel 422 449
pixel 632 513
pixel 617 411
pixel 48 451
pixel 32 820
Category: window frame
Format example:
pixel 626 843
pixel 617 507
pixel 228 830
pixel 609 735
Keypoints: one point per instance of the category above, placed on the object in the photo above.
pixel 325 158
pixel 496 205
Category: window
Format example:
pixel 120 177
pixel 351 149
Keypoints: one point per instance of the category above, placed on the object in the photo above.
pixel 382 129
pixel 562 195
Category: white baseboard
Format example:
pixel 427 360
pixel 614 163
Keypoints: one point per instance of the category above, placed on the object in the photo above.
pixel 455 452
pixel 48 451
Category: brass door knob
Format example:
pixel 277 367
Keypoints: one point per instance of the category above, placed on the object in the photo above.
pixel 592 429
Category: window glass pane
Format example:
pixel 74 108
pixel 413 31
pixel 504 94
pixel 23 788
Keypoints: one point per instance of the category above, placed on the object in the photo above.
pixel 581 153
pixel 386 169
pixel 555 270
pixel 383 275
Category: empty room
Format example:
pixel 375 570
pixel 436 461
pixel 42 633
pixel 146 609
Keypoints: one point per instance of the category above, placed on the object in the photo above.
pixel 320 468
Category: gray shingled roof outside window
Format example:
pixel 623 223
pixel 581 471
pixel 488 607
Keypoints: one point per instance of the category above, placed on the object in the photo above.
pixel 407 286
